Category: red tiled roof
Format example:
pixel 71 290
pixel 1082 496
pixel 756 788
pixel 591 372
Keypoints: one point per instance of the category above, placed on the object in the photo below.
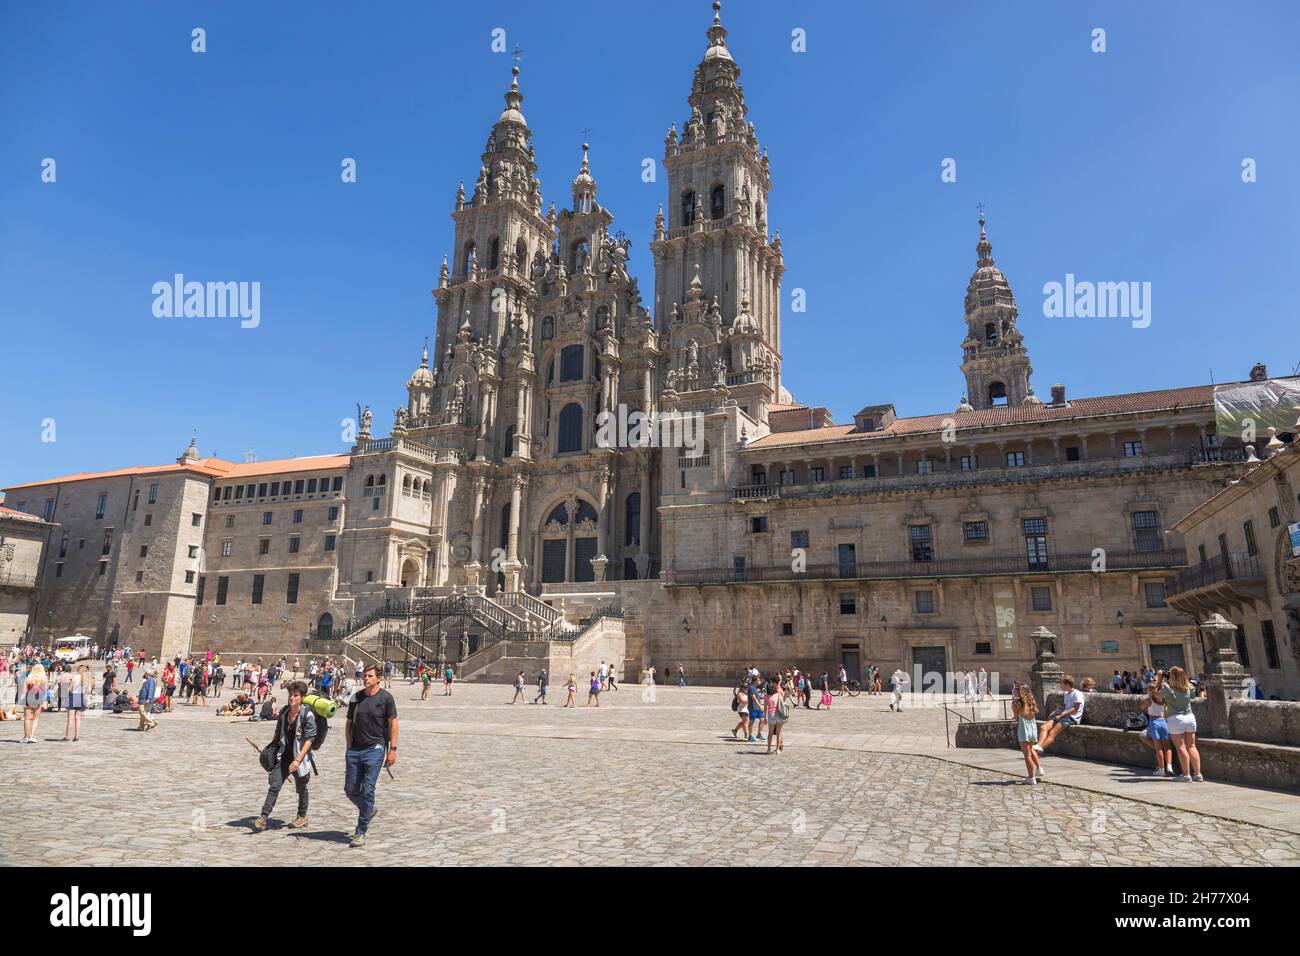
pixel 1198 396
pixel 211 467
pixel 21 515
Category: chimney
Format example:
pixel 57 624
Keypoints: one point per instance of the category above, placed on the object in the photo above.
pixel 1058 394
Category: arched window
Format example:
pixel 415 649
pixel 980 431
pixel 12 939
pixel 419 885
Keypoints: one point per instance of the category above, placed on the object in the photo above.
pixel 428 488
pixel 577 255
pixel 383 480
pixel 406 484
pixel 466 256
pixel 559 514
pixel 509 448
pixel 370 481
pixel 688 208
pixel 717 202
pixel 990 333
pixel 997 394
pixel 325 626
pixel 570 437
pixel 586 512
pixel 571 359
pixel 494 253
pixel 632 519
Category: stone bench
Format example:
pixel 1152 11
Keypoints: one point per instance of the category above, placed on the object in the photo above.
pixel 1229 761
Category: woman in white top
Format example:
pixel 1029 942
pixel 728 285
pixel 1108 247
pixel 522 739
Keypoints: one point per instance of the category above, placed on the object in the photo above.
pixel 1156 736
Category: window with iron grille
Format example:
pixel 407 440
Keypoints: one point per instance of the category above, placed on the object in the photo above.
pixel 554 556
pixel 230 521
pixel 1155 592
pixel 799 539
pixel 983 647
pixel 924 602
pixel 148 520
pixel 1146 531
pixel 570 431
pixel 1036 542
pixel 1270 646
pixel 976 530
pixel 1251 547
pixel 1041 598
pixel 848 602
pixel 920 537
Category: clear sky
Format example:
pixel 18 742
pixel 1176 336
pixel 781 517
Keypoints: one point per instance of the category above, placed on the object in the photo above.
pixel 225 166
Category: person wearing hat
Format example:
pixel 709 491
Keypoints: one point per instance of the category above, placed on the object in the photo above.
pixel 289 755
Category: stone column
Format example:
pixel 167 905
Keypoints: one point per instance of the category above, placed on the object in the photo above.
pixel 1044 674
pixel 643 557
pixel 485 414
pixel 605 490
pixel 1225 678
pixel 475 565
pixel 512 564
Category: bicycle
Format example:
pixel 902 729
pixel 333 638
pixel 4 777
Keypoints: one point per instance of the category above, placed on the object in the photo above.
pixel 852 687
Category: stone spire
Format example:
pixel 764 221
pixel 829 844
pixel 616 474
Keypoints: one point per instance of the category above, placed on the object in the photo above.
pixel 994 358
pixel 191 454
pixel 584 186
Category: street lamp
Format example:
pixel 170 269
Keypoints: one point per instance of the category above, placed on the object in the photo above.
pixel 1119 618
pixel 884 622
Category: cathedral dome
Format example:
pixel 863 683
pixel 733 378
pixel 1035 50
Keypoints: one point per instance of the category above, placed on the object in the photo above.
pixel 422 377
pixel 965 406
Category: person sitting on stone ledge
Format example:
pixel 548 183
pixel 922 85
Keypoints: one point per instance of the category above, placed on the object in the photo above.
pixel 1070 715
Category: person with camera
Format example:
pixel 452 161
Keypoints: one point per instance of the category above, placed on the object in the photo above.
pixel 290 756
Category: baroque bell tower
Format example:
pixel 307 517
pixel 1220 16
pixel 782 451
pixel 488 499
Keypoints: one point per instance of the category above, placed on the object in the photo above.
pixel 717 274
pixel 994 358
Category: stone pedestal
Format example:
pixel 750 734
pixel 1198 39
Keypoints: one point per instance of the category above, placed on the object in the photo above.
pixel 1225 679
pixel 473 574
pixel 514 572
pixel 598 565
pixel 1045 674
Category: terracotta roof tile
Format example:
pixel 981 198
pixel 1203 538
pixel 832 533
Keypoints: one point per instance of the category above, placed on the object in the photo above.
pixel 21 515
pixel 211 467
pixel 1160 400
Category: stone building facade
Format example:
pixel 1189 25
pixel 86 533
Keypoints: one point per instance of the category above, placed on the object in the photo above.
pixel 23 539
pixel 778 538
pixel 1244 554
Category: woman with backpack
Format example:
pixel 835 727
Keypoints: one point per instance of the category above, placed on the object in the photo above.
pixel 740 705
pixel 295 734
pixel 777 711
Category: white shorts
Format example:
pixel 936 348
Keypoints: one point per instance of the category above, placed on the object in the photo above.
pixel 1181 723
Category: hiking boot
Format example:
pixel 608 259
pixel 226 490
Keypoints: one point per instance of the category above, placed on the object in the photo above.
pixel 298 822
pixel 358 840
pixel 259 824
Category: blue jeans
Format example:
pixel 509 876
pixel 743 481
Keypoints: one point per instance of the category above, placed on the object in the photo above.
pixel 363 768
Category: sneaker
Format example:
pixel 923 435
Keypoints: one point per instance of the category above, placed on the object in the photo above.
pixel 1041 773
pixel 1169 770
pixel 298 822
pixel 1158 772
pixel 1198 778
pixel 259 824
pixel 751 739
pixel 358 840
pixel 1038 748
pixel 1187 778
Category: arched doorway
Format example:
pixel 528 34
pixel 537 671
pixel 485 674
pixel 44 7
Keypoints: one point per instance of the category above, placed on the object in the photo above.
pixel 325 626
pixel 410 573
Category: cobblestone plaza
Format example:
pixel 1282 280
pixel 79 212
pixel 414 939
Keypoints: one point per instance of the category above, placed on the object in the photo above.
pixel 649 778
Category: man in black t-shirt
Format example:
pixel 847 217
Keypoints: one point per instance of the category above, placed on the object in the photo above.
pixel 371 730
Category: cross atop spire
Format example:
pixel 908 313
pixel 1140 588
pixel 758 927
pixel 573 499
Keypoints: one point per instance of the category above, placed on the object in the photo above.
pixel 980 206
pixel 516 53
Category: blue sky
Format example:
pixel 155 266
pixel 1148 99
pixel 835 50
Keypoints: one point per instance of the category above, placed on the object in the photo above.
pixel 1115 166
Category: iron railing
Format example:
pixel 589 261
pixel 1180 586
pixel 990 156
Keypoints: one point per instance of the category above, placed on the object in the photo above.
pixel 951 567
pixel 1239 566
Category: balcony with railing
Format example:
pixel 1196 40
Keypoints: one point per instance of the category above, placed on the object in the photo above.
pixel 955 476
pixel 1218 583
pixel 986 566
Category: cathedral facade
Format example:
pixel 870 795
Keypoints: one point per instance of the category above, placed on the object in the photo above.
pixel 936 541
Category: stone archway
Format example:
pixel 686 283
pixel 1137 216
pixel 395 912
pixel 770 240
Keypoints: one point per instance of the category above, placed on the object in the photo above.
pixel 411 576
